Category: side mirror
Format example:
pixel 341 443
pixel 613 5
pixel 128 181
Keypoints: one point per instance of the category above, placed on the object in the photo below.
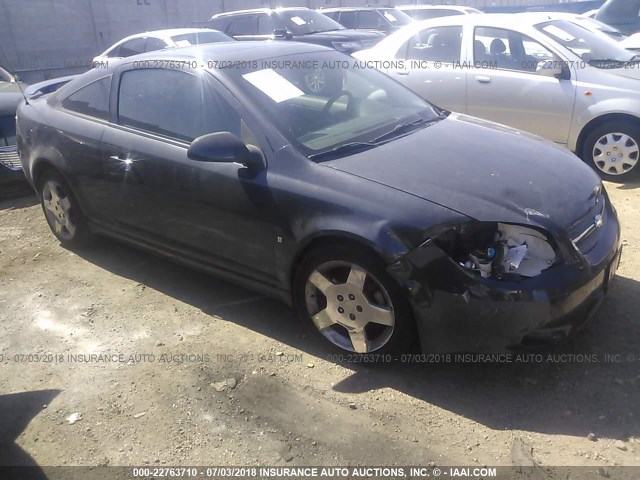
pixel 549 68
pixel 224 147
pixel 281 34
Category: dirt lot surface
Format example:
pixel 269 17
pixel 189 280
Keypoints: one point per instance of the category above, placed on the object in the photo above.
pixel 195 371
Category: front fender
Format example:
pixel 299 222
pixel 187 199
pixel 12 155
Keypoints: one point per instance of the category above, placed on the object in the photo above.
pixel 613 106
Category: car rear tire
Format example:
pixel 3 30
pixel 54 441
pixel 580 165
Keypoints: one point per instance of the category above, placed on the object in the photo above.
pixel 62 210
pixel 348 297
pixel 613 151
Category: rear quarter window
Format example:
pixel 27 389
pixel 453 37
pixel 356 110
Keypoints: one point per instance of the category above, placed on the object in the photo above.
pixel 92 100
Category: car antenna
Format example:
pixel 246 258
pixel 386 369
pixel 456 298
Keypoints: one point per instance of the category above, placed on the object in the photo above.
pixel 26 100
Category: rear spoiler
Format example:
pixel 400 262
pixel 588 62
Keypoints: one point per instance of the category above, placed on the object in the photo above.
pixel 48 86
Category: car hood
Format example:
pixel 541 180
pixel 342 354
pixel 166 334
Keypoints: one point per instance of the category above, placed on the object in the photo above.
pixel 483 170
pixel 346 35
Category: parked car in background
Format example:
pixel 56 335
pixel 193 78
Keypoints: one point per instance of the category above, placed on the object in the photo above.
pixel 159 40
pixel 382 219
pixel 382 19
pixel 298 24
pixel 630 42
pixel 10 98
pixel 621 14
pixel 554 78
pixel 426 12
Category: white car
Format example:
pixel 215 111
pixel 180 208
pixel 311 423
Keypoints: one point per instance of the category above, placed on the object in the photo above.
pixel 426 12
pixel 159 40
pixel 554 78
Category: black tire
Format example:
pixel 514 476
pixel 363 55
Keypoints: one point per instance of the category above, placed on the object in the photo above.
pixel 52 186
pixel 606 165
pixel 382 341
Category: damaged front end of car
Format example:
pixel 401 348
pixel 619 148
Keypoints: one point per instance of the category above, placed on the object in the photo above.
pixel 499 250
pixel 491 286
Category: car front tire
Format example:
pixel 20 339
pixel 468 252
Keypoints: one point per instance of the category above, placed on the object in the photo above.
pixel 613 150
pixel 62 210
pixel 348 297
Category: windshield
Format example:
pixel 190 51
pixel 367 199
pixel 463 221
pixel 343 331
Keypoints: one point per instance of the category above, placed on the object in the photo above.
pixel 304 22
pixel 198 38
pixel 595 48
pixel 396 17
pixel 319 105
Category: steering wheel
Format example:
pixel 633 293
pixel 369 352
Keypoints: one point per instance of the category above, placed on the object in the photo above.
pixel 334 99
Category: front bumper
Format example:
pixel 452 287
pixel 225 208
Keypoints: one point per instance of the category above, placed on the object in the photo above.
pixel 459 311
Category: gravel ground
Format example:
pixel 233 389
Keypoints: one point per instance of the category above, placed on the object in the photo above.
pixel 196 371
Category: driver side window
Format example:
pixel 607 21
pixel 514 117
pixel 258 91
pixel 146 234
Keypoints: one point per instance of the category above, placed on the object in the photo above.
pixel 172 103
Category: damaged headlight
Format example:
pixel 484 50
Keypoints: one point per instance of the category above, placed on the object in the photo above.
pixel 495 250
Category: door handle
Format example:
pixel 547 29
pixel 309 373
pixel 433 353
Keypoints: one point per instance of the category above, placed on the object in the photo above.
pixel 483 79
pixel 404 73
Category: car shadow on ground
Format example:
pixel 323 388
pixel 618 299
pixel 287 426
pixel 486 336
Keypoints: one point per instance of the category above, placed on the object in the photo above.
pixel 589 384
pixel 627 185
pixel 16 412
pixel 17 196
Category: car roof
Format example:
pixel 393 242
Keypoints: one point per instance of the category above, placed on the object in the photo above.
pixel 258 10
pixel 348 9
pixel 504 20
pixel 226 52
pixel 167 33
pixel 459 8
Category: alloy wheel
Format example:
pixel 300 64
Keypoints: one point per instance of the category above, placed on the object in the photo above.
pixel 349 306
pixel 57 208
pixel 616 153
pixel 315 80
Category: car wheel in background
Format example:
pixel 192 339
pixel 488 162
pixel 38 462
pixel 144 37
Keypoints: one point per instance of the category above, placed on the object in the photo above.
pixel 62 211
pixel 613 150
pixel 347 295
pixel 323 82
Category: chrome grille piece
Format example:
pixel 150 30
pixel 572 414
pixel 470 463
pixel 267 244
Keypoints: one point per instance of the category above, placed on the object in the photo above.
pixel 584 232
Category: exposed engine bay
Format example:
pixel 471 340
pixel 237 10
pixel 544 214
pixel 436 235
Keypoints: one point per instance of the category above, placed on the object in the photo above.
pixel 495 250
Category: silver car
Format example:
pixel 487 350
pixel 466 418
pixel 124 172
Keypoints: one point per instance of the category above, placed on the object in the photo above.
pixel 552 77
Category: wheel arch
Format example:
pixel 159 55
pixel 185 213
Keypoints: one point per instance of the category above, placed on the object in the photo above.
pixel 328 239
pixel 40 166
pixel 599 121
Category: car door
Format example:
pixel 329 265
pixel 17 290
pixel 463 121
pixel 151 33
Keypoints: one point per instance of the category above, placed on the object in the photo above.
pixel 86 116
pixel 431 66
pixel 219 210
pixel 503 85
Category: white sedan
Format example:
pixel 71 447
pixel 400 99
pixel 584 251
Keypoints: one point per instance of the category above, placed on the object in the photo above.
pixel 554 78
pixel 159 40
